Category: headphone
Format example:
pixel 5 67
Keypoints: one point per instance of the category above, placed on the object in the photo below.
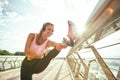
pixel 44 26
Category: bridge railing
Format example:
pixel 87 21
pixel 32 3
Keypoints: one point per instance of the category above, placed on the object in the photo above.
pixel 10 62
pixel 100 60
pixel 96 55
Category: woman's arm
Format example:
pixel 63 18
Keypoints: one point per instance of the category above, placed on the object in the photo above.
pixel 54 44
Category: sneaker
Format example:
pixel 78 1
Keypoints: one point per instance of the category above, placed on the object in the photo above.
pixel 71 32
pixel 68 42
pixel 65 42
pixel 71 42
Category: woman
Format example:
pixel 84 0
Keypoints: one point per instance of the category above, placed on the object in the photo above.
pixel 37 56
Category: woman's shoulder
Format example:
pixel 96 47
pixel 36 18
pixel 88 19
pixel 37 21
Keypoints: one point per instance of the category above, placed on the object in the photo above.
pixel 32 35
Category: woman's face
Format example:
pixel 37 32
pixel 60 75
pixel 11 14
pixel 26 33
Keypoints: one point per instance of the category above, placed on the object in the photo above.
pixel 48 31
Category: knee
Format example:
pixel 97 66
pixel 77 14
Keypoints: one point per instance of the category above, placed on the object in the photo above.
pixel 58 47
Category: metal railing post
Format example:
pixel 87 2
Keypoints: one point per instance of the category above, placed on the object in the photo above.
pixel 105 68
pixel 85 66
pixel 4 63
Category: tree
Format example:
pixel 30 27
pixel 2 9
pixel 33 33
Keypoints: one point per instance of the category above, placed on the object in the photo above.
pixel 5 52
pixel 19 53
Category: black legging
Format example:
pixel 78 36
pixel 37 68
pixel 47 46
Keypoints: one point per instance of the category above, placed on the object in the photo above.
pixel 29 67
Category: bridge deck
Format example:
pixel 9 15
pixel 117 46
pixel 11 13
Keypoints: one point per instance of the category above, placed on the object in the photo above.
pixel 57 70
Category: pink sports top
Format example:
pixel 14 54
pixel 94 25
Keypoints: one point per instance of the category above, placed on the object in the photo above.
pixel 38 48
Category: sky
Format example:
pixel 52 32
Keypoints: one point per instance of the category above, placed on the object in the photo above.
pixel 18 18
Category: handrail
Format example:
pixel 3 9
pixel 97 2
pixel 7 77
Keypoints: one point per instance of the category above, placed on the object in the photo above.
pixel 12 61
pixel 106 48
pixel 86 35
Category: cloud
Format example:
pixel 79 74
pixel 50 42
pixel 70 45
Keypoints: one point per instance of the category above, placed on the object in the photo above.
pixel 20 17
